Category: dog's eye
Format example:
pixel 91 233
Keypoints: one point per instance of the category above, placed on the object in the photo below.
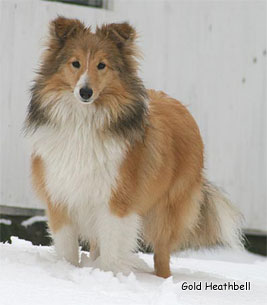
pixel 76 64
pixel 101 66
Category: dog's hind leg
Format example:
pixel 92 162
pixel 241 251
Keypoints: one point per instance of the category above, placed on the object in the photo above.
pixel 162 259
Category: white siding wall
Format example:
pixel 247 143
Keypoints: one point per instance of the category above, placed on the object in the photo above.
pixel 211 55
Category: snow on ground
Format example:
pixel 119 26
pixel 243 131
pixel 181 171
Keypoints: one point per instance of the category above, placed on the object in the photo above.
pixel 34 275
pixel 32 220
pixel 5 221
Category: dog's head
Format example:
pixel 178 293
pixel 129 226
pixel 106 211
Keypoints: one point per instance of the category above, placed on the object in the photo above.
pixel 90 69
pixel 89 64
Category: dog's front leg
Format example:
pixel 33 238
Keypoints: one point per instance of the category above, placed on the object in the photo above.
pixel 117 241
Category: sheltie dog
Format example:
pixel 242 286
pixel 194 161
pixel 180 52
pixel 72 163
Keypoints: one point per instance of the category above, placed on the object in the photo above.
pixel 114 161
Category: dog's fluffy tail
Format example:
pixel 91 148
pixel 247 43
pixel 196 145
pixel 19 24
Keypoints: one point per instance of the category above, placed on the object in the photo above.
pixel 219 222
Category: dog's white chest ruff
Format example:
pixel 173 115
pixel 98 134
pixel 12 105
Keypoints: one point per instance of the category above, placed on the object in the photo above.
pixel 80 172
pixel 80 167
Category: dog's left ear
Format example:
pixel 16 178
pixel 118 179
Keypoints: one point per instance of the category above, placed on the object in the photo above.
pixel 121 34
pixel 63 28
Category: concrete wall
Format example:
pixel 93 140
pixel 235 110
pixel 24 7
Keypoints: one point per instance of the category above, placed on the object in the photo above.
pixel 211 55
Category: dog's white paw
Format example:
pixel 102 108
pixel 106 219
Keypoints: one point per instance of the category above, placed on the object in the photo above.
pixel 138 264
pixel 86 260
pixel 114 266
pixel 125 266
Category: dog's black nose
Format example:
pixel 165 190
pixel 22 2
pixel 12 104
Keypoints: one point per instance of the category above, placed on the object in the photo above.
pixel 86 93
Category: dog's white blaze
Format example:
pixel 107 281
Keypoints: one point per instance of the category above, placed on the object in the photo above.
pixel 81 170
pixel 87 62
pixel 82 82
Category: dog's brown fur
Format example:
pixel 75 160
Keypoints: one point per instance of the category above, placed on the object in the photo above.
pixel 57 213
pixel 161 177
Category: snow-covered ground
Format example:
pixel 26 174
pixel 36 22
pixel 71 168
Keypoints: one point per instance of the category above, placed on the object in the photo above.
pixel 34 275
pixel 33 220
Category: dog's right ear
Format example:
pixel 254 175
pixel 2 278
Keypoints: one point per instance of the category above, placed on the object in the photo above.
pixel 63 28
pixel 122 34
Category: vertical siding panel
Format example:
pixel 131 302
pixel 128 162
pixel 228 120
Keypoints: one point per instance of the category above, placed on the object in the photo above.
pixel 209 54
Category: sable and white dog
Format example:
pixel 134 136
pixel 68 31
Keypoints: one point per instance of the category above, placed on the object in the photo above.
pixel 112 159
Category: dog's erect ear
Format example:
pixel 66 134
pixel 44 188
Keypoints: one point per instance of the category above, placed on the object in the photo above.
pixel 63 28
pixel 120 33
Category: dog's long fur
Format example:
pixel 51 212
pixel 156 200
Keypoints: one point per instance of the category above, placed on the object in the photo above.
pixel 124 162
